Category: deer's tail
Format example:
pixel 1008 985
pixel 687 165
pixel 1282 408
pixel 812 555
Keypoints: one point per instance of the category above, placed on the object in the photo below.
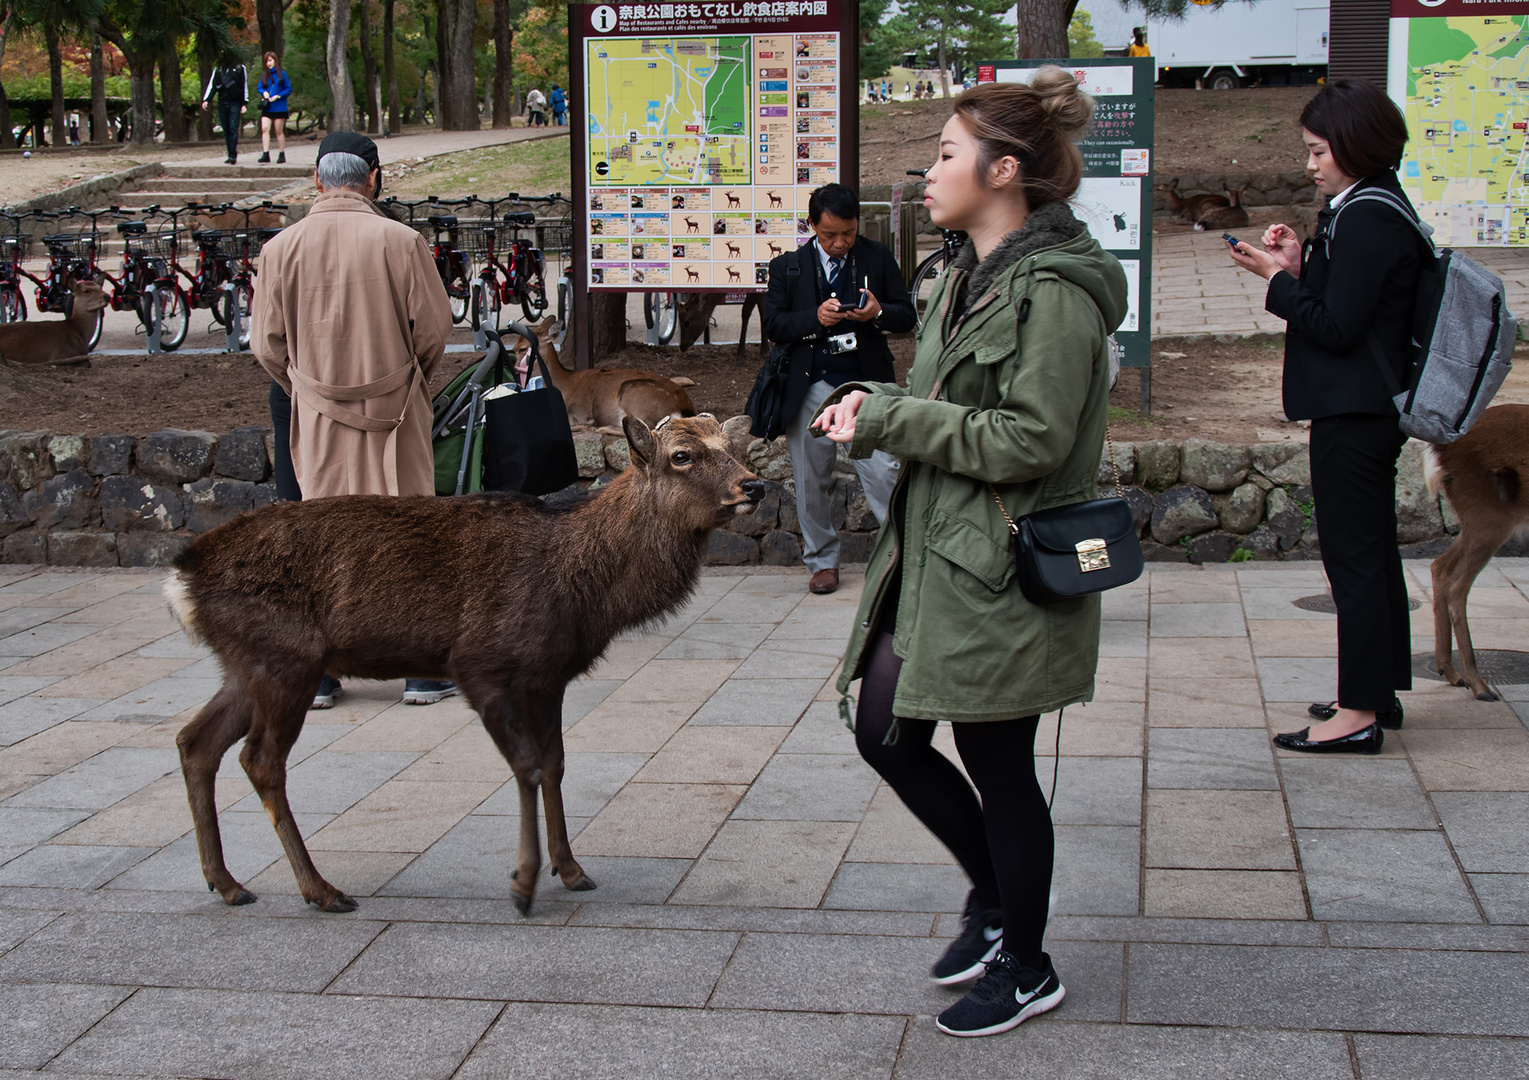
pixel 177 592
pixel 1433 470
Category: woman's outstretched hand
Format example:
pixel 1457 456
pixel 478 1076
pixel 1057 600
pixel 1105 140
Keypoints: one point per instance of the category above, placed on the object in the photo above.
pixel 1281 242
pixel 838 420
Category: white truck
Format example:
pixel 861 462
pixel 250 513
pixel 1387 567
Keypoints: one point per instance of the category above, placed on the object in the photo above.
pixel 1268 42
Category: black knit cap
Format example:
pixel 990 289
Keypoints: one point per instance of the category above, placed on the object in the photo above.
pixel 349 142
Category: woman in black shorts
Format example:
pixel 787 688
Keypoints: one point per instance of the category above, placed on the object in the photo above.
pixel 274 89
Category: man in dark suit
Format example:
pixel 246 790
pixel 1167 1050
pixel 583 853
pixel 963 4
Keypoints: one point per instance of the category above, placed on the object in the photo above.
pixel 812 302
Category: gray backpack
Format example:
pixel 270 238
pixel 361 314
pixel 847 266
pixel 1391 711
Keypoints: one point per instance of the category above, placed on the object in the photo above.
pixel 1462 331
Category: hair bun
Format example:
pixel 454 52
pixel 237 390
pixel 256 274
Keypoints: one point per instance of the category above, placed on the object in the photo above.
pixel 1066 105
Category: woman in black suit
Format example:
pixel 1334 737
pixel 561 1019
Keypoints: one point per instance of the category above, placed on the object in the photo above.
pixel 1337 294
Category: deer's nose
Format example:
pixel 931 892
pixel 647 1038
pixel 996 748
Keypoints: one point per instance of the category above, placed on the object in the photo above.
pixel 754 490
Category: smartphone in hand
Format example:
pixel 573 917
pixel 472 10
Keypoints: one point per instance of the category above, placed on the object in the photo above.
pixel 1230 239
pixel 864 299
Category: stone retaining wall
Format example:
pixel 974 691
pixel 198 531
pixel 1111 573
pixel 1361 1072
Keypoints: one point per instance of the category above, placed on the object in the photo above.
pixel 117 500
pixel 1263 189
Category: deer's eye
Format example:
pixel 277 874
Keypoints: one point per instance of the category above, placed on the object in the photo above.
pixel 680 457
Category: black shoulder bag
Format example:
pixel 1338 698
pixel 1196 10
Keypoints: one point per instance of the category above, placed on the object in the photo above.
pixel 766 405
pixel 528 443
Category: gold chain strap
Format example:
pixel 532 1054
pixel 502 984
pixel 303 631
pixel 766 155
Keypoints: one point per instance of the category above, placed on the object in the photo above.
pixel 1114 465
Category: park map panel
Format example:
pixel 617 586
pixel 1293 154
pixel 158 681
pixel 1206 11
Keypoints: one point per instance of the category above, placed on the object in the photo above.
pixel 707 127
pixel 1467 109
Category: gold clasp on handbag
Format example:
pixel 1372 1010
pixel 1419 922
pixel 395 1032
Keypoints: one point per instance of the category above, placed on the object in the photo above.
pixel 1093 555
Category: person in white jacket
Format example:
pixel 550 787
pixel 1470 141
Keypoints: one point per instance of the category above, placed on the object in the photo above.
pixel 536 108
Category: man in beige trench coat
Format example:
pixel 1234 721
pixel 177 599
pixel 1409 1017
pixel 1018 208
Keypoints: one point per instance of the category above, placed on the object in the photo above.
pixel 350 317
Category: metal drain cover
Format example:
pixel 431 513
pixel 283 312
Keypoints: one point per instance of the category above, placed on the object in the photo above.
pixel 1323 602
pixel 1499 667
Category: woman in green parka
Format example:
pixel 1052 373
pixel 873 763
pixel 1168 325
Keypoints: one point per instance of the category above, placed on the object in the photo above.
pixel 1006 401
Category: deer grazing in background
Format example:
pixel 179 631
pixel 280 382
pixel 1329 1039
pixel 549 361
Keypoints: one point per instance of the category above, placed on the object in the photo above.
pixel 1190 208
pixel 602 398
pixel 284 594
pixel 1221 218
pixel 60 342
pixel 1484 475
pixel 695 314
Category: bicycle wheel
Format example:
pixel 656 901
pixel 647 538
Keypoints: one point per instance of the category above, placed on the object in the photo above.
pixel 662 312
pixel 174 315
pixel 564 297
pixel 923 283
pixel 458 288
pixel 533 297
pixel 13 306
pixel 490 288
pixel 244 297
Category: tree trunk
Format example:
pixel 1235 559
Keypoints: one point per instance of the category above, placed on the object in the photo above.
pixel 389 72
pixel 944 69
pixel 1043 28
pixel 206 61
pixel 454 49
pixel 99 132
pixel 56 83
pixel 273 34
pixel 141 76
pixel 504 65
pixel 607 325
pixel 443 102
pixel 7 136
pixel 338 68
pixel 170 91
pixel 369 70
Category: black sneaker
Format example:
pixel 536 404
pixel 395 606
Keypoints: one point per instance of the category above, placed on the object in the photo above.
pixel 1006 997
pixel 981 937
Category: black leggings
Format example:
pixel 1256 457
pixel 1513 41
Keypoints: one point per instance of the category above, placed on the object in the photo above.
pixel 1005 842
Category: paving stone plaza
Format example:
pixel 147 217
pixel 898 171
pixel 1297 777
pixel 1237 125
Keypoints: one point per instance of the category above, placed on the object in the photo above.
pixel 765 907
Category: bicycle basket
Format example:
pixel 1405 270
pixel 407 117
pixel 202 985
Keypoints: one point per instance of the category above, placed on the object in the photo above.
pixel 238 244
pixel 475 239
pixel 555 237
pixel 157 245
pixel 13 248
pixel 82 244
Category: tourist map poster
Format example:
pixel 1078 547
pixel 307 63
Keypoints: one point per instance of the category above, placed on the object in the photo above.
pixel 705 129
pixel 1461 77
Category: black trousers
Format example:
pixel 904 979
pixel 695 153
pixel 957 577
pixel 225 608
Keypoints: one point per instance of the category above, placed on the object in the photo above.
pixel 1353 481
pixel 231 115
pixel 281 423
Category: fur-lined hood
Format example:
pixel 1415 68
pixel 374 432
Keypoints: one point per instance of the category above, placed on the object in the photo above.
pixel 1068 251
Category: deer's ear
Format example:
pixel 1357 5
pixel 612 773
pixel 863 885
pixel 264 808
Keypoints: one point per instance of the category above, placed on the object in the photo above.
pixel 640 440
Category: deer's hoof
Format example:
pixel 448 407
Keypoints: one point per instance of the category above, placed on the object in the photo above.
pixel 240 898
pixel 1486 695
pixel 522 903
pixel 584 884
pixel 338 904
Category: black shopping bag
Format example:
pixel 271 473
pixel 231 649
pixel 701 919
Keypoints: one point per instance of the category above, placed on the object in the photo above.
pixel 527 443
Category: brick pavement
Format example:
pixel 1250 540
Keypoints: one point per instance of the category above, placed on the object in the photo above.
pixel 766 908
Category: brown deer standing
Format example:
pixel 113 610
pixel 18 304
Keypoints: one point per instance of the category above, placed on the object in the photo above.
pixel 603 398
pixel 774 248
pixel 1221 218
pixel 774 199
pixel 692 225
pixel 60 342
pixel 284 594
pixel 692 274
pixel 1483 474
pixel 733 250
pixel 1190 208
pixel 733 275
pixel 732 200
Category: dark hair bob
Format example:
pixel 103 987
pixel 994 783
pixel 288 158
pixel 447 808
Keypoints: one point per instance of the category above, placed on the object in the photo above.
pixel 1363 128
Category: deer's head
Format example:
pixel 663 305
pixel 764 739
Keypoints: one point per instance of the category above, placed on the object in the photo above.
pixel 692 472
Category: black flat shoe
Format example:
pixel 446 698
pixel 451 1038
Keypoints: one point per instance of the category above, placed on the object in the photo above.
pixel 1390 719
pixel 1368 741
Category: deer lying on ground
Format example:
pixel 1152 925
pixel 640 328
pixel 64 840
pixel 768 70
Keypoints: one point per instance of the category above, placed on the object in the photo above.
pixel 284 594
pixel 1190 208
pixel 603 397
pixel 1483 474
pixel 60 342
pixel 1221 218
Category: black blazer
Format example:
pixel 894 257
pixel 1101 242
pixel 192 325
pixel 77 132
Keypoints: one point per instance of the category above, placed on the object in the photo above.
pixel 799 322
pixel 1366 281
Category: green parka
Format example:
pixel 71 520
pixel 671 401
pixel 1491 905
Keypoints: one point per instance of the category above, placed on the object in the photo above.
pixel 1014 393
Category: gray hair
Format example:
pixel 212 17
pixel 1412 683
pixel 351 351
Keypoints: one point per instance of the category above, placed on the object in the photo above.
pixel 338 169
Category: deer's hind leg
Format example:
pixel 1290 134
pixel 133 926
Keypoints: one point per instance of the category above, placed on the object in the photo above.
pixel 1476 550
pixel 202 743
pixel 547 729
pixel 280 708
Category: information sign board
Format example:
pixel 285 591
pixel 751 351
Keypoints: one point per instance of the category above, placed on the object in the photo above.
pixel 705 127
pixel 1115 197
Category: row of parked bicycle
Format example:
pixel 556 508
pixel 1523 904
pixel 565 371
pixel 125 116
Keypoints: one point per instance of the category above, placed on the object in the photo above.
pixel 484 262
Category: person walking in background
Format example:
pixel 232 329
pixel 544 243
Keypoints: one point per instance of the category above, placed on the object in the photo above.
pixel 230 83
pixel 350 319
pixel 835 297
pixel 536 108
pixel 1348 295
pixel 1138 46
pixel 275 90
pixel 1004 414
pixel 559 102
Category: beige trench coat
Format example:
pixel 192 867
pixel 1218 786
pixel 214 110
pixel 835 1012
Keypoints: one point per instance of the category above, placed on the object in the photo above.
pixel 350 317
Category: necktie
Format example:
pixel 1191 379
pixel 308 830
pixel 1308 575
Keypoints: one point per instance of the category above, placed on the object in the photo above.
pixel 835 264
